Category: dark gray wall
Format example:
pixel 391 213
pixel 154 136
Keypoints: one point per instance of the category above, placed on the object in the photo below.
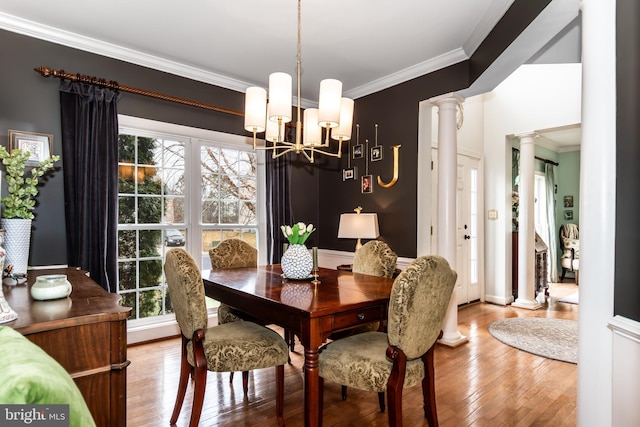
pixel 30 102
pixel 627 289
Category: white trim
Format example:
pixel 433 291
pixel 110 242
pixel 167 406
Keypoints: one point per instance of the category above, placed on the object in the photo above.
pixel 626 327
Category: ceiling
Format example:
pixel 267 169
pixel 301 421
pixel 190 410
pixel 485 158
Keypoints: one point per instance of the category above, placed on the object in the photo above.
pixel 367 44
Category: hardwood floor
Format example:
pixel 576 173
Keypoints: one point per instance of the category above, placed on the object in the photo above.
pixel 481 383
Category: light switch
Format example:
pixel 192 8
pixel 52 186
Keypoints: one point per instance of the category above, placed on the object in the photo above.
pixel 493 214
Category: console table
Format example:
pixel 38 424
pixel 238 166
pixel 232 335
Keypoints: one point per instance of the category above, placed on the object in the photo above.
pixel 86 333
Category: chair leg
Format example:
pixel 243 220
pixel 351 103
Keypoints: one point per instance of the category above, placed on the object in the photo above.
pixel 395 385
pixel 564 270
pixel 381 401
pixel 344 392
pixel 280 394
pixel 198 395
pixel 429 389
pixel 321 398
pixel 185 371
pixel 245 382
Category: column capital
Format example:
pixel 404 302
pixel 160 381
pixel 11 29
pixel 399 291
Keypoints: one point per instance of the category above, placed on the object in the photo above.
pixel 525 137
pixel 446 98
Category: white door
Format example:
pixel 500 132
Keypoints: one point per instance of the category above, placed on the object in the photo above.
pixel 468 225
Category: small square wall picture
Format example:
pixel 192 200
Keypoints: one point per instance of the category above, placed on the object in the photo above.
pixel 376 153
pixel 349 174
pixel 568 215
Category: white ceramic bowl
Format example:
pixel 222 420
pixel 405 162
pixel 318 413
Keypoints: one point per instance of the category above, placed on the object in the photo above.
pixel 50 286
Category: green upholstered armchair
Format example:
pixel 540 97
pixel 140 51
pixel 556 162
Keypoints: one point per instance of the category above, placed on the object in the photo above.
pixel 236 346
pixel 377 361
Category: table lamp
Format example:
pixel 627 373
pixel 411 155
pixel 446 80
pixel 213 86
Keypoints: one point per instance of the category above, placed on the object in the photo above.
pixel 358 226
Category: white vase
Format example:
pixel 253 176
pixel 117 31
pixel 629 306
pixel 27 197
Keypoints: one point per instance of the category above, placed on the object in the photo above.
pixel 297 262
pixel 17 238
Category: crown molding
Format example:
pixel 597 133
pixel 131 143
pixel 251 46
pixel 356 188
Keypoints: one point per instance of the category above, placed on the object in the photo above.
pixel 87 44
pixel 417 70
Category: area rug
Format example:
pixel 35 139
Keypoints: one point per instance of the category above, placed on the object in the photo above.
pixel 552 338
pixel 571 299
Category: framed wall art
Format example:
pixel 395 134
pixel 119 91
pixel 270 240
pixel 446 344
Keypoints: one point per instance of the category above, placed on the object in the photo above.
pixel 349 174
pixel 367 184
pixel 376 153
pixel 568 215
pixel 568 201
pixel 39 145
pixel 357 151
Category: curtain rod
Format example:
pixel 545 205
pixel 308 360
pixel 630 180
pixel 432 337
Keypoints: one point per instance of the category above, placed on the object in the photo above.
pixel 541 159
pixel 61 74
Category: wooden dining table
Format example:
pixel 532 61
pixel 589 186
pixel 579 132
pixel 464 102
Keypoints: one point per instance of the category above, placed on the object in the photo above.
pixel 340 301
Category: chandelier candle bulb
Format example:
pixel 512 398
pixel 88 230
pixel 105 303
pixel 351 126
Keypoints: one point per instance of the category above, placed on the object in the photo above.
pixel 343 131
pixel 312 132
pixel 329 103
pixel 280 95
pixel 255 109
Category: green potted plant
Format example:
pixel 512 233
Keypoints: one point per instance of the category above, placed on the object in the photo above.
pixel 18 204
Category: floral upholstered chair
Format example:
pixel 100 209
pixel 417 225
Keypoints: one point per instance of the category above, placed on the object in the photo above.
pixel 234 346
pixel 232 253
pixel 374 258
pixel 377 361
pixel 570 244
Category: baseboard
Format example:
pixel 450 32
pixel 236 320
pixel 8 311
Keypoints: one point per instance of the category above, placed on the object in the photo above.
pixel 494 299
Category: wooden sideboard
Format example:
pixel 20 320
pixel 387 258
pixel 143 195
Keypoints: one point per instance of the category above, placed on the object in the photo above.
pixel 86 333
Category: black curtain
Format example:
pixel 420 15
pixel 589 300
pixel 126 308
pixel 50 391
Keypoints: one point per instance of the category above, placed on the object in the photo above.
pixel 90 156
pixel 279 211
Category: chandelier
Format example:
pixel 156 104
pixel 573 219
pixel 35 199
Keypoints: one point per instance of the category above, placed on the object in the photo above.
pixel 334 115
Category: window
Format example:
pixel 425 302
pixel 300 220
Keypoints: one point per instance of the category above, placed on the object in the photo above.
pixel 165 200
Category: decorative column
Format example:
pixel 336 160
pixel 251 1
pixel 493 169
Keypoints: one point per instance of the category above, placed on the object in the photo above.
pixel 526 226
pixel 447 206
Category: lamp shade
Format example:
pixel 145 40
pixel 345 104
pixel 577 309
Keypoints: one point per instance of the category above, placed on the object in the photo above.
pixel 272 129
pixel 312 132
pixel 280 97
pixel 329 103
pixel 343 131
pixel 358 226
pixel 255 105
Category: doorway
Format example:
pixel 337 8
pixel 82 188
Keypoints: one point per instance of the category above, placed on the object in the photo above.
pixel 469 225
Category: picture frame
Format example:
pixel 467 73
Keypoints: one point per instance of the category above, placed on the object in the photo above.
pixel 357 151
pixel 376 153
pixel 568 215
pixel 349 174
pixel 40 145
pixel 367 184
pixel 568 201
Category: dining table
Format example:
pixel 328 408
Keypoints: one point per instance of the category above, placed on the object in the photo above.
pixel 312 311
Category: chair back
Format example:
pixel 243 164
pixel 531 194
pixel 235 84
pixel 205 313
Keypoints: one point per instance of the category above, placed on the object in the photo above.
pixel 569 231
pixel 233 253
pixel 419 299
pixel 186 290
pixel 376 259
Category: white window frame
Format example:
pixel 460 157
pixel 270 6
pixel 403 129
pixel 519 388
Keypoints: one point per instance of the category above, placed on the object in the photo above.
pixel 146 329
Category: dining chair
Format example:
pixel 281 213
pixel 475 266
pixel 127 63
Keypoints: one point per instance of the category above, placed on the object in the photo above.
pixel 375 258
pixel 402 357
pixel 234 346
pixel 232 253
